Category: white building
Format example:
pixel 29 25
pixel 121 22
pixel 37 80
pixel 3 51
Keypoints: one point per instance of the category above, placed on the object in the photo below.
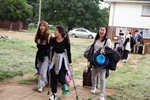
pixel 129 14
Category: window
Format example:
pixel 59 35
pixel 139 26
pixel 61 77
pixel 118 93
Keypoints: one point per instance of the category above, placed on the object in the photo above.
pixel 121 28
pixel 78 29
pixel 146 11
pixel 146 33
pixel 83 30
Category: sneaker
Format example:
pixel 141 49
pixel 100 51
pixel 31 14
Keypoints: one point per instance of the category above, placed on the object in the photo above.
pixel 93 90
pixel 124 60
pixel 102 98
pixel 53 97
pixel 40 89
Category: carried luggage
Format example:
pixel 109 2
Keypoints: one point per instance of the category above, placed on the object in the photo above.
pixel 87 77
pixel 68 78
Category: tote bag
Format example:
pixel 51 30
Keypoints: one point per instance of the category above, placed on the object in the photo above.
pixel 89 51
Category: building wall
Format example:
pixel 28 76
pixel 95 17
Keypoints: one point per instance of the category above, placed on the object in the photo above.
pixel 25 26
pixel 128 15
pixel 16 25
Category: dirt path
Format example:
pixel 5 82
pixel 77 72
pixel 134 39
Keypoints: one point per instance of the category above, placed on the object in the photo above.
pixel 29 37
pixel 11 34
pixel 11 90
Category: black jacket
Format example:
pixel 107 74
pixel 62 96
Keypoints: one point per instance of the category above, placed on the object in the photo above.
pixel 132 42
pixel 43 50
pixel 113 58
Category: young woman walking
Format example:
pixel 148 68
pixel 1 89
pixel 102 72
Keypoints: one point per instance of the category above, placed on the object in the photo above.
pixel 126 46
pixel 60 61
pixel 100 40
pixel 42 39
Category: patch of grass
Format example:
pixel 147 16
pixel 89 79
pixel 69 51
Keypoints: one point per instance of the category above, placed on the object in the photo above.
pixel 16 57
pixel 77 51
pixel 77 74
pixel 132 86
pixel 28 80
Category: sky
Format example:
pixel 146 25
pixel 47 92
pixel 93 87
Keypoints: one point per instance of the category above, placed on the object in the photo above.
pixel 104 5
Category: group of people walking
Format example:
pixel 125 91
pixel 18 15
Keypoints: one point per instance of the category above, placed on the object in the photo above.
pixel 59 65
pixel 127 43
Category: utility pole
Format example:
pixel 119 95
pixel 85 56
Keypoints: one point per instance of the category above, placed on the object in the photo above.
pixel 39 13
pixel 112 27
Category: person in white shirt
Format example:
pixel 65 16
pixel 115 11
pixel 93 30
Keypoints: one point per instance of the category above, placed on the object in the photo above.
pixel 100 40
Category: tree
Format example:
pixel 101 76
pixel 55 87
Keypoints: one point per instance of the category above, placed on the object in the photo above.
pixel 33 3
pixel 73 13
pixel 14 10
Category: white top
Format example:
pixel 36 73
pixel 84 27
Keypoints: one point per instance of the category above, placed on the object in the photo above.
pixel 127 46
pixel 100 44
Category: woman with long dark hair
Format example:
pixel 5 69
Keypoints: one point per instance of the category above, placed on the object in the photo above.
pixel 61 60
pixel 100 40
pixel 42 39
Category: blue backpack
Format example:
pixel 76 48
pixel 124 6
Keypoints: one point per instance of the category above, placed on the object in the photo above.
pixel 139 38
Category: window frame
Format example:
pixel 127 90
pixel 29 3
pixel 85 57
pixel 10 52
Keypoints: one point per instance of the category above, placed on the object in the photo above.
pixel 144 33
pixel 123 30
pixel 146 13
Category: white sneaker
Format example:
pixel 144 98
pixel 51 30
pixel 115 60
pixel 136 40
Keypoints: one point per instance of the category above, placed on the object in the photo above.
pixel 53 97
pixel 93 90
pixel 124 60
pixel 102 98
pixel 40 89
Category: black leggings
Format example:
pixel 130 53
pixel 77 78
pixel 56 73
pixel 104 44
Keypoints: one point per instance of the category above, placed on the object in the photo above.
pixel 60 77
pixel 115 44
pixel 125 54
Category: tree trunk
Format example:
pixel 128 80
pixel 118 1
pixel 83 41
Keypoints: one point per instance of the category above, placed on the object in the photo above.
pixel 11 26
pixel 70 27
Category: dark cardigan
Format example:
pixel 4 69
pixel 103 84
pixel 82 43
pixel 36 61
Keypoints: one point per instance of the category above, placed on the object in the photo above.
pixel 43 50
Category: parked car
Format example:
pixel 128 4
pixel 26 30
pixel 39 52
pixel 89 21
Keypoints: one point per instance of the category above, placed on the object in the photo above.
pixel 81 32
pixel 50 26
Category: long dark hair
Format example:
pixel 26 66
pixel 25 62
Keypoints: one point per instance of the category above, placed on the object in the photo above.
pixel 45 35
pixel 97 36
pixel 64 33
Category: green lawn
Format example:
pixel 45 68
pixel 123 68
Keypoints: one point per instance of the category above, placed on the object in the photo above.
pixel 133 84
pixel 17 57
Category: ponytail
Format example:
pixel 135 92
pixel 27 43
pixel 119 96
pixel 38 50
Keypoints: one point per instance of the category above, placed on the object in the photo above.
pixel 67 36
pixel 63 32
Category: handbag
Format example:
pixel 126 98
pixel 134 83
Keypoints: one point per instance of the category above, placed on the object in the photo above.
pixel 127 47
pixel 68 77
pixel 89 51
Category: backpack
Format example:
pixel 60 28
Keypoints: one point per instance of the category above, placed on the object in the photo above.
pixel 139 37
pixel 89 51
pixel 133 42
